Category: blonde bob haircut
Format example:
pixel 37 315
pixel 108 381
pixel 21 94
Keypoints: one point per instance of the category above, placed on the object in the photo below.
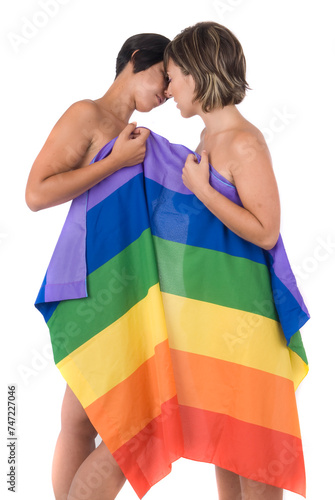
pixel 213 56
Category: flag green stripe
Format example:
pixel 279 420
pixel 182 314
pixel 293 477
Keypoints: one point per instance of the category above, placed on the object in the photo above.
pixel 297 346
pixel 216 277
pixel 124 280
pixel 113 289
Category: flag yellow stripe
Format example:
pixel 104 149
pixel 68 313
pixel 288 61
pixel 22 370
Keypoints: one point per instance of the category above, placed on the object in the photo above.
pixel 229 334
pixel 116 352
pixel 192 326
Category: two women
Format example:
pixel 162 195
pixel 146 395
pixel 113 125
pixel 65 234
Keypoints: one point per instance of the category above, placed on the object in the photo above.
pixel 206 76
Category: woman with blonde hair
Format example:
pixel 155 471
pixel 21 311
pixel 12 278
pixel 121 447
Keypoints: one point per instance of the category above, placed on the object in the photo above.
pixel 207 77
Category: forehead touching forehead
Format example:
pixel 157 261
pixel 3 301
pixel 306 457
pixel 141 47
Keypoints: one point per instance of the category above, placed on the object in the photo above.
pixel 171 68
pixel 157 71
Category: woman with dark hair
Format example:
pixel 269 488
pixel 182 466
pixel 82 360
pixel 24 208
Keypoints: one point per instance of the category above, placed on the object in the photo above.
pixel 62 171
pixel 206 73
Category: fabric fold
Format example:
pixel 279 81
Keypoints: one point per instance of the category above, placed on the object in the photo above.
pixel 179 338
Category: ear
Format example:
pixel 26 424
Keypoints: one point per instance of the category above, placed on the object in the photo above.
pixel 132 59
pixel 132 56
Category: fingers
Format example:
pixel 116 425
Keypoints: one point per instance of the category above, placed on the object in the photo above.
pixel 191 158
pixel 142 134
pixel 130 147
pixel 204 157
pixel 129 129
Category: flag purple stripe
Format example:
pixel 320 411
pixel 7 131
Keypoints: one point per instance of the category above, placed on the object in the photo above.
pixel 282 269
pixel 68 262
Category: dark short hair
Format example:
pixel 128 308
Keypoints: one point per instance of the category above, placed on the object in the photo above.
pixel 214 57
pixel 150 50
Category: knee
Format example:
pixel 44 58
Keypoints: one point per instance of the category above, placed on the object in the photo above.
pixel 79 425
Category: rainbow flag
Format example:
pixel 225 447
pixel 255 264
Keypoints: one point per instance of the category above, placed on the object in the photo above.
pixel 179 338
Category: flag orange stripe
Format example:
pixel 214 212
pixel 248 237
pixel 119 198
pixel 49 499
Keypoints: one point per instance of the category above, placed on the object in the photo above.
pixel 127 408
pixel 211 384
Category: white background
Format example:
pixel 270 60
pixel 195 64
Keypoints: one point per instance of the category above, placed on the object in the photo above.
pixel 289 47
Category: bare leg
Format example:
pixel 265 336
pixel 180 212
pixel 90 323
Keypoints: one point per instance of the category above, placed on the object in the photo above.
pixel 234 487
pixel 98 478
pixel 253 490
pixel 228 483
pixel 75 442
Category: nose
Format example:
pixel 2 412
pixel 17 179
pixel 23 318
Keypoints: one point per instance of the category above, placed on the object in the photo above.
pixel 167 93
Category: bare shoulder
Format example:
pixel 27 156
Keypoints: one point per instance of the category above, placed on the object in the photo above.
pixel 75 127
pixel 238 148
pixel 78 123
pixel 248 144
pixel 85 109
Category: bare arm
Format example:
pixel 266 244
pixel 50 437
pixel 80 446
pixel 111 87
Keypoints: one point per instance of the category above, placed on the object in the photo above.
pixel 55 176
pixel 258 220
